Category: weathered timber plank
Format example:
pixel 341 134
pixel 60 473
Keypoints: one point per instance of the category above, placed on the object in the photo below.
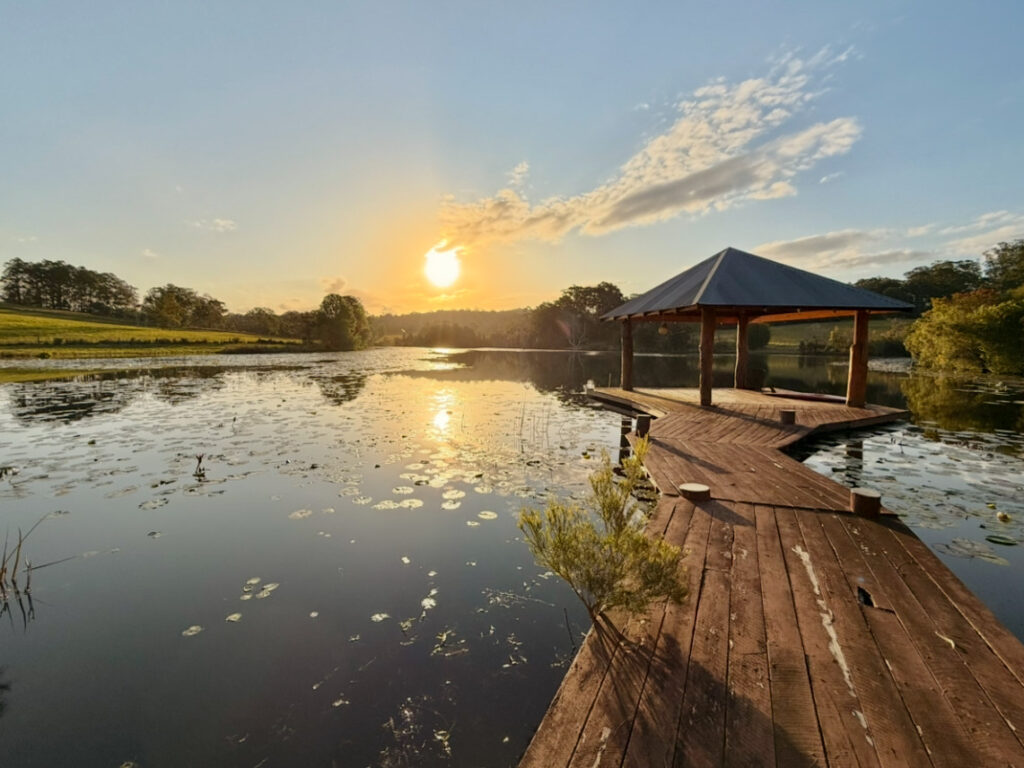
pixel 888 722
pixel 748 722
pixel 606 732
pixel 735 472
pixel 845 735
pixel 652 738
pixel 700 738
pixel 933 718
pixel 795 721
pixel 1004 689
pixel 985 727
pixel 555 740
pixel 1002 642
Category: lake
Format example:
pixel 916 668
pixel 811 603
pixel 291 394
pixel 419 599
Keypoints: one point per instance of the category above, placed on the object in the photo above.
pixel 313 559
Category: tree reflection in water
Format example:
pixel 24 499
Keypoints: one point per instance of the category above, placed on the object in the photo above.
pixel 956 403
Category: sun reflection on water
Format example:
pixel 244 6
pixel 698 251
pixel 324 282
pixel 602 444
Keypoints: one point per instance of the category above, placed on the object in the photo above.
pixel 444 402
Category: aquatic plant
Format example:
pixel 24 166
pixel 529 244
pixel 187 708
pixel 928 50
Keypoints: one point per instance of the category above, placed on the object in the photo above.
pixel 603 552
pixel 11 560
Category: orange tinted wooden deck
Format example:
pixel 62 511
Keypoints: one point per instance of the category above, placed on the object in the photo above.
pixel 810 637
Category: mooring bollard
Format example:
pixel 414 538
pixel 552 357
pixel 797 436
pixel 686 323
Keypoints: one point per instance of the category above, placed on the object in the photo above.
pixel 695 491
pixel 865 502
pixel 787 416
pixel 643 425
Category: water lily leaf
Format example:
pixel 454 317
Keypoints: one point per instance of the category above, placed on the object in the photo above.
pixel 998 538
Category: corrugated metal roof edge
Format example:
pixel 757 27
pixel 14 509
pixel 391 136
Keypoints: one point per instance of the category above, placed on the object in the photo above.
pixel 890 305
pixel 761 309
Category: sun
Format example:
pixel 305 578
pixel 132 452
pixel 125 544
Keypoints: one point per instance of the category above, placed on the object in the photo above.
pixel 442 267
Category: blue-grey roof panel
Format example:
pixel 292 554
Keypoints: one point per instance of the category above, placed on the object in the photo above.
pixel 734 278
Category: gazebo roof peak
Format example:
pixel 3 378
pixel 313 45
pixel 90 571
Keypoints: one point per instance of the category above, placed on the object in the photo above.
pixel 735 279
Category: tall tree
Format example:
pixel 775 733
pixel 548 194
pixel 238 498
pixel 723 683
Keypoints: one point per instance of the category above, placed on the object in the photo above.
pixel 169 306
pixel 1004 265
pixel 342 323
pixel 887 286
pixel 941 280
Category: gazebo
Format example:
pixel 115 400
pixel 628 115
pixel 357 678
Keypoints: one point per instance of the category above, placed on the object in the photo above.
pixel 734 287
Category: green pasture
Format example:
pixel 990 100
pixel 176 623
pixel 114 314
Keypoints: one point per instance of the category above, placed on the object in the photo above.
pixel 44 333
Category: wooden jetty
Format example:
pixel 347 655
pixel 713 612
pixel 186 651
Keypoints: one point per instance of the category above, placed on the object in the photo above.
pixel 810 637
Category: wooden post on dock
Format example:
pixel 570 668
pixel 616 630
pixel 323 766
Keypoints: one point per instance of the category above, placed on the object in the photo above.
pixel 740 376
pixel 857 383
pixel 707 353
pixel 626 380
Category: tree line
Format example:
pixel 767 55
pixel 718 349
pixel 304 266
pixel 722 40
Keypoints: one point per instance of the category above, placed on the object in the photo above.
pixel 1000 269
pixel 970 314
pixel 340 322
pixel 980 326
pixel 59 285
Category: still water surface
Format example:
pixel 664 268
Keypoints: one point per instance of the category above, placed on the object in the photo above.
pixel 339 580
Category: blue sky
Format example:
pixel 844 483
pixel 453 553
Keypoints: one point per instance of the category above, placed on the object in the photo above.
pixel 267 153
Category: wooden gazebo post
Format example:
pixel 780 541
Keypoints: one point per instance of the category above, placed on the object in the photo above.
pixel 740 375
pixel 626 377
pixel 707 353
pixel 857 383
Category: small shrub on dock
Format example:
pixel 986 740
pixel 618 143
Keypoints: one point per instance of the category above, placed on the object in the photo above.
pixel 602 551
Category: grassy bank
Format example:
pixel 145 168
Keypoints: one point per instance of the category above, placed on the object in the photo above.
pixel 27 333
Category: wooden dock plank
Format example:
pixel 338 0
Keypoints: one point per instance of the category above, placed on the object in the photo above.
pixel 843 727
pixel 749 739
pixel 784 584
pixel 700 738
pixel 1002 642
pixel 933 718
pixel 654 730
pixel 887 720
pixel 986 729
pixel 795 719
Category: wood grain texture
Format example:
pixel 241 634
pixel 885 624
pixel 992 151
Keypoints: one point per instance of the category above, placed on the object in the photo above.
pixel 810 637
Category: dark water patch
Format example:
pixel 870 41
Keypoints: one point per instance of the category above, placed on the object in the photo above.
pixel 377 492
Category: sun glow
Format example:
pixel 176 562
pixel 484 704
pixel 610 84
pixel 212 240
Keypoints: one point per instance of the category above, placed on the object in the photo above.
pixel 442 267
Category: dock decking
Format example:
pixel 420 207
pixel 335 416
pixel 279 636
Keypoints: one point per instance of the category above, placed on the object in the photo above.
pixel 810 637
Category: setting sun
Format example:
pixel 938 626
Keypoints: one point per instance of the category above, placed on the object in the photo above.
pixel 442 267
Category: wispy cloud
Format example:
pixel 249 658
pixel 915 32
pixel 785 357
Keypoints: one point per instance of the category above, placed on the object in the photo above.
pixel 517 176
pixel 831 177
pixel 985 231
pixel 25 239
pixel 724 148
pixel 857 249
pixel 215 225
pixel 333 284
pixel 847 249
pixel 149 253
pixel 921 231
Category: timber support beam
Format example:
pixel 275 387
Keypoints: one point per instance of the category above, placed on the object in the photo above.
pixel 857 382
pixel 740 380
pixel 626 377
pixel 707 353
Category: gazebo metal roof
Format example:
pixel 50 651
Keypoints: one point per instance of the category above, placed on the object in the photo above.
pixel 737 280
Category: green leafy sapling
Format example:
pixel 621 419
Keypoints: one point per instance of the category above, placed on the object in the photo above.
pixel 603 552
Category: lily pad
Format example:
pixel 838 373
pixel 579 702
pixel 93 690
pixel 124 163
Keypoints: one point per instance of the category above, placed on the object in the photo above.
pixel 998 538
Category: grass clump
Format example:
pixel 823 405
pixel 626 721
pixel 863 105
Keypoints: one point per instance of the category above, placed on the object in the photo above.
pixel 602 551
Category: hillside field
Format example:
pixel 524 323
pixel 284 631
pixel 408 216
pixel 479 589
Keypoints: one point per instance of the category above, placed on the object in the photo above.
pixel 34 333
